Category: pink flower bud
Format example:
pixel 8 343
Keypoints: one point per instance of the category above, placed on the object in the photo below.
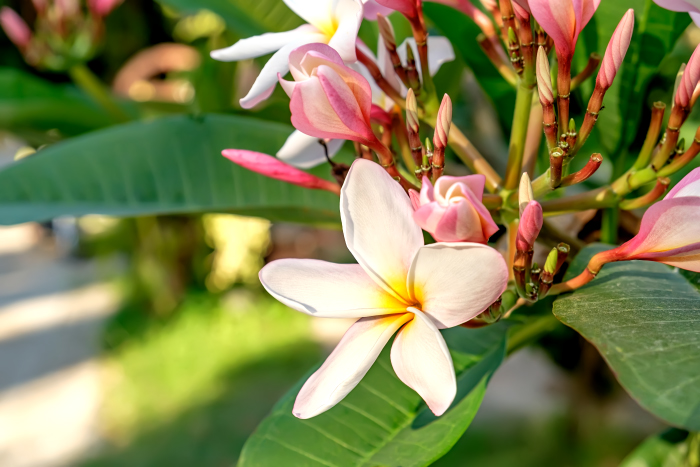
pixel 328 99
pixel 15 28
pixel 275 168
pixel 689 81
pixel 670 231
pixel 544 78
pixel 563 20
pixel 444 121
pixel 452 211
pixel 529 226
pixel 617 48
pixel 103 7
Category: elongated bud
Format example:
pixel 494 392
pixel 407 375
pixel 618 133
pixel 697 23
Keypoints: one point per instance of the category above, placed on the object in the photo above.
pixel 412 122
pixel 617 48
pixel 689 81
pixel 529 226
pixel 550 266
pixel 544 78
pixel 525 194
pixel 387 31
pixel 15 28
pixel 444 121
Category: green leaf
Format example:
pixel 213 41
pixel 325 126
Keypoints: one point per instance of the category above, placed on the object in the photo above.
pixel 245 17
pixel 655 33
pixel 664 450
pixel 170 165
pixel 643 318
pixel 381 422
pixel 28 103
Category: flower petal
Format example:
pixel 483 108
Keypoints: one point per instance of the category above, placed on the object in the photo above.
pixel 305 151
pixel 454 282
pixel 372 8
pixel 263 44
pixel 316 12
pixel 348 14
pixel 689 186
pixel 347 365
pixel 439 51
pixel 422 361
pixel 679 5
pixel 327 290
pixel 378 225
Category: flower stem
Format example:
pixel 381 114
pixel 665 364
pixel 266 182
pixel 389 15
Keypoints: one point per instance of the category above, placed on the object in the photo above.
pixel 88 82
pixel 518 136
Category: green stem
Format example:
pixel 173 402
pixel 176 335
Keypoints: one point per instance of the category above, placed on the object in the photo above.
pixel 530 332
pixel 608 231
pixel 518 136
pixel 88 82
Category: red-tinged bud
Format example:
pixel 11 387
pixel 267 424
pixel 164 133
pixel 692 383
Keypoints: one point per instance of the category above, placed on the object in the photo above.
pixel 444 121
pixel 617 48
pixel 689 81
pixel 544 78
pixel 406 7
pixel 387 32
pixel 412 122
pixel 275 168
pixel 529 226
pixel 15 28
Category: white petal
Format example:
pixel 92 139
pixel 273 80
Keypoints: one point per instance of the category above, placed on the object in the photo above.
pixel 348 14
pixel 316 12
pixel 689 186
pixel 439 51
pixel 454 282
pixel 422 361
pixel 304 151
pixel 327 290
pixel 378 225
pixel 258 46
pixel 277 65
pixel 347 365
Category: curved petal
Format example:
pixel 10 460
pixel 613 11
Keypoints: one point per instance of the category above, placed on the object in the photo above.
pixel 454 282
pixel 348 14
pixel 558 19
pixel 316 12
pixel 695 16
pixel 305 151
pixel 347 365
pixel 689 186
pixel 378 225
pixel 475 183
pixel 588 9
pixel 327 290
pixel 679 5
pixel 439 51
pixel 422 361
pixel 373 8
pixel 263 44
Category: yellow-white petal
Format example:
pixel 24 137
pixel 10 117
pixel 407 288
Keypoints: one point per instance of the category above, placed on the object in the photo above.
pixel 327 290
pixel 422 361
pixel 378 225
pixel 348 15
pixel 347 365
pixel 454 282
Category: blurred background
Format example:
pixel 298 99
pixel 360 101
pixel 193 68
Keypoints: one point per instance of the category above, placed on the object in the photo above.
pixel 149 341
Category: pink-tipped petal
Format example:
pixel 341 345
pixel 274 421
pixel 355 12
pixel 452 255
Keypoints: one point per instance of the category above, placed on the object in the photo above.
pixel 690 80
pixel 379 115
pixel 275 168
pixel 524 4
pixel 617 48
pixel 15 27
pixel 563 20
pixel 455 282
pixel 304 151
pixel 529 226
pixel 415 198
pixel 689 186
pixel 346 365
pixel 422 361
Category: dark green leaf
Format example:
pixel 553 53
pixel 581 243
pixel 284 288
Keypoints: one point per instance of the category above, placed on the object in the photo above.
pixel 170 165
pixel 381 422
pixel 643 318
pixel 664 450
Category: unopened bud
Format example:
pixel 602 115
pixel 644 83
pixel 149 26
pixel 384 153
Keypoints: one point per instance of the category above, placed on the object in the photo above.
pixel 617 48
pixel 444 122
pixel 550 266
pixel 387 31
pixel 572 126
pixel 412 122
pixel 689 81
pixel 512 38
pixel 529 227
pixel 428 147
pixel 15 27
pixel 525 194
pixel 544 78
pixel 680 147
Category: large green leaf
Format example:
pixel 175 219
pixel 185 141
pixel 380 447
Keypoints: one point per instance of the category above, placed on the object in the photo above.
pixel 644 318
pixel 170 165
pixel 665 450
pixel 381 422
pixel 655 33
pixel 244 17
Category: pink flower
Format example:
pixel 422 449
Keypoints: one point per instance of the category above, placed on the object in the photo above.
pixel 689 6
pixel 400 287
pixel 15 27
pixel 529 227
pixel 563 20
pixel 670 230
pixel 452 211
pixel 275 168
pixel 617 48
pixel 328 99
pixel 103 7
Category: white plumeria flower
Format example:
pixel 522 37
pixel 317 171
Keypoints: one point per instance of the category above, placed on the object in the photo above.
pixel 399 287
pixel 305 152
pixel 332 22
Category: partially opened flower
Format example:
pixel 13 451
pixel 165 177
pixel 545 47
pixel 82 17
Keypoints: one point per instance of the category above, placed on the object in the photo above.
pixel 399 287
pixel 691 7
pixel 332 22
pixel 670 230
pixel 452 210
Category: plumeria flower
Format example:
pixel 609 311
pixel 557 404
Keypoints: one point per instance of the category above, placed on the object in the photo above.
pixel 303 151
pixel 691 7
pixel 399 287
pixel 332 22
